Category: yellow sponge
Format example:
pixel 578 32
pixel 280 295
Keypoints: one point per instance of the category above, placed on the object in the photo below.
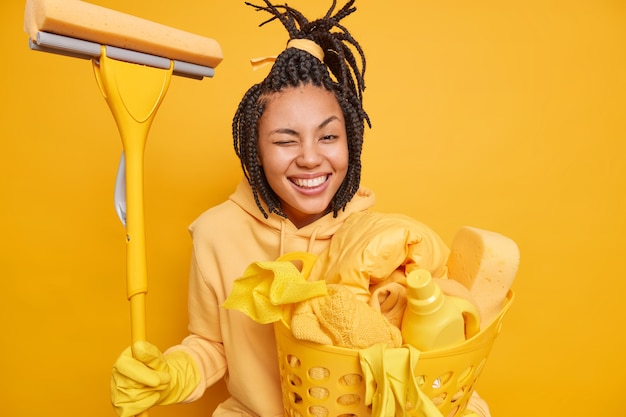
pixel 486 263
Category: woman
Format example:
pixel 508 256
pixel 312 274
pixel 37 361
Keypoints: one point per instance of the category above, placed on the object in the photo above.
pixel 298 135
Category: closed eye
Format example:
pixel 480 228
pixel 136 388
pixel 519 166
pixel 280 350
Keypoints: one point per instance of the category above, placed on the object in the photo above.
pixel 283 136
pixel 283 142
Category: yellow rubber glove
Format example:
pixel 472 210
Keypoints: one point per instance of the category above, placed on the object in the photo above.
pixel 151 378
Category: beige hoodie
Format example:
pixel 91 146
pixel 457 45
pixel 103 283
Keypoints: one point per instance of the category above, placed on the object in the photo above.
pixel 226 343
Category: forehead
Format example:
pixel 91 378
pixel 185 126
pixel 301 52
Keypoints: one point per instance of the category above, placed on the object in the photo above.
pixel 306 102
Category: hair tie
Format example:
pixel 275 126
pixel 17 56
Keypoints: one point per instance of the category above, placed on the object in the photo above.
pixel 306 45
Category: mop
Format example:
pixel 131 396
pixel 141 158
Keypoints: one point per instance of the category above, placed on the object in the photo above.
pixel 133 60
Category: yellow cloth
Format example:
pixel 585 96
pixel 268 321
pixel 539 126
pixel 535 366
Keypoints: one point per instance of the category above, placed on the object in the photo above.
pixel 389 298
pixel 267 289
pixel 370 246
pixel 390 386
pixel 340 319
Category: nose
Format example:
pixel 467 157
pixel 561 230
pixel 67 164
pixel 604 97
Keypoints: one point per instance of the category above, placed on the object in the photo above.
pixel 310 155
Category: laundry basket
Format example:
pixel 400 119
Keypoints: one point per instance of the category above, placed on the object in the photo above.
pixel 326 381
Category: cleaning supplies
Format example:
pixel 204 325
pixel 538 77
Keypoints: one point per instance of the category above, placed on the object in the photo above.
pixel 486 263
pixel 266 290
pixel 433 320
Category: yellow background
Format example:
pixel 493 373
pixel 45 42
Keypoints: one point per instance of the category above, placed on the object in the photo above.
pixel 504 115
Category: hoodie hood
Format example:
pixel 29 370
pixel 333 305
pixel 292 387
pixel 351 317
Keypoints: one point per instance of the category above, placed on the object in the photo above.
pixel 321 229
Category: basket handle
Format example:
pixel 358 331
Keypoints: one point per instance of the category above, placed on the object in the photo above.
pixel 304 261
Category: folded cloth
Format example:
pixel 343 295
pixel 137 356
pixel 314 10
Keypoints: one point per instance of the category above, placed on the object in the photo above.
pixel 266 290
pixel 389 299
pixel 390 385
pixel 340 319
pixel 370 246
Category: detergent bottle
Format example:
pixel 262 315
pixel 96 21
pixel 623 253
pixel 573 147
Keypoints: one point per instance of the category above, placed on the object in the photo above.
pixel 433 320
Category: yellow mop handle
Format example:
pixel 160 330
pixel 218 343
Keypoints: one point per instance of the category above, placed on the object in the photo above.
pixel 133 93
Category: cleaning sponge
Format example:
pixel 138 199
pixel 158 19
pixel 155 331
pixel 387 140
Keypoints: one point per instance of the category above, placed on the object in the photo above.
pixel 486 263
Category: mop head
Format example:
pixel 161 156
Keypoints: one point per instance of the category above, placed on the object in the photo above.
pixel 76 24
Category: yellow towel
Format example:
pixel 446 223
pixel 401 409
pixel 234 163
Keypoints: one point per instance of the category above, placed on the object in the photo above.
pixel 340 319
pixel 390 386
pixel 266 290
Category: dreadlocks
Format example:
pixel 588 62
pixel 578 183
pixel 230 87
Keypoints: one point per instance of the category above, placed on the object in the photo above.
pixel 338 73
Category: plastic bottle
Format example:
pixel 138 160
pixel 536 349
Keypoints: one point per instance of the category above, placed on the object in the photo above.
pixel 433 320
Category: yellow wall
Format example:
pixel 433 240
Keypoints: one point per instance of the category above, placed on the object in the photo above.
pixel 504 115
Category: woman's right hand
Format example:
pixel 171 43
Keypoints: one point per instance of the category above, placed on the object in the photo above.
pixel 143 377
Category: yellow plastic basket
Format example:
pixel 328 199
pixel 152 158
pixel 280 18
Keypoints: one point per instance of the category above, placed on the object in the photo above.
pixel 326 381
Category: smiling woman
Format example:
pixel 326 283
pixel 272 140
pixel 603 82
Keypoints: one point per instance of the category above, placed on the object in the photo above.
pixel 303 150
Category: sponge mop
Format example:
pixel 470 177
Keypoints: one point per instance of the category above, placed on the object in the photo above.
pixel 77 28
pixel 133 61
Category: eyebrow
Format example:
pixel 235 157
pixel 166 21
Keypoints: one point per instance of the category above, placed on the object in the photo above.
pixel 327 121
pixel 288 131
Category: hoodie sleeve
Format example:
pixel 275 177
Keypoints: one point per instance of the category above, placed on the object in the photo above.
pixel 204 342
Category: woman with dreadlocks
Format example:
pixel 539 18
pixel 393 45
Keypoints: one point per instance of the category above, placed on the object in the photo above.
pixel 298 135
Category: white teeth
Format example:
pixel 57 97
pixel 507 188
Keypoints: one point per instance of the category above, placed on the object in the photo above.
pixel 310 183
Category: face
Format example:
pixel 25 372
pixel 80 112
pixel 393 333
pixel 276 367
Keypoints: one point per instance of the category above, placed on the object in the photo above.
pixel 303 149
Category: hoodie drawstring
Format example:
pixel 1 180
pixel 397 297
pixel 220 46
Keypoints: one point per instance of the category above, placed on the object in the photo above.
pixel 312 239
pixel 281 246
pixel 282 238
